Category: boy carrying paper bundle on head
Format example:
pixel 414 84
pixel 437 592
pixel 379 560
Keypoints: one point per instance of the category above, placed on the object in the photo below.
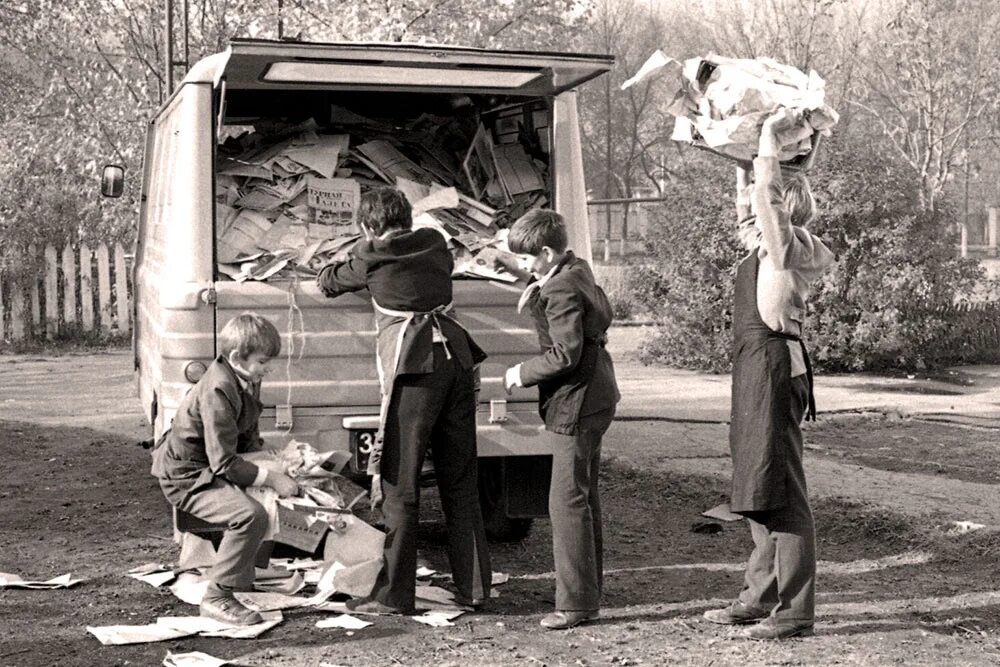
pixel 772 392
pixel 200 467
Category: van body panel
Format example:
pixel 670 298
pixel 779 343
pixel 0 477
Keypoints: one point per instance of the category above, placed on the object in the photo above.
pixel 174 251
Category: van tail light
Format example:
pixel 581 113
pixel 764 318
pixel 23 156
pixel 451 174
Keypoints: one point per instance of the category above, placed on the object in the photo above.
pixel 194 370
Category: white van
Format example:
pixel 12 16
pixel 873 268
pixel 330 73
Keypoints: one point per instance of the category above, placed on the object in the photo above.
pixel 324 390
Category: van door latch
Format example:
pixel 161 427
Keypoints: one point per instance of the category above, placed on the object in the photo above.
pixel 209 295
pixel 283 417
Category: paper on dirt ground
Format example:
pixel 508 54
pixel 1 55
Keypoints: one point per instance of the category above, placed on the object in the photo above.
pixel 8 580
pixel 154 574
pixel 190 588
pixel 263 601
pixel 438 619
pixel 345 621
pixel 208 627
pixel 174 627
pixel 118 635
pixel 194 659
pixel 498 578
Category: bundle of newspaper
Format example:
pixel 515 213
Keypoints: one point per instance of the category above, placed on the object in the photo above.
pixel 720 103
pixel 303 463
pixel 287 195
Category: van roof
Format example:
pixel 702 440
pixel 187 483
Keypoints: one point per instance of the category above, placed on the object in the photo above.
pixel 253 64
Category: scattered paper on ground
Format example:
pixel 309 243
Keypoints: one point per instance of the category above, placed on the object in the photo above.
pixel 963 527
pixel 8 580
pixel 190 588
pixel 194 659
pixel 262 601
pixel 722 513
pixel 499 578
pixel 174 627
pixel 154 574
pixel 345 621
pixel 438 618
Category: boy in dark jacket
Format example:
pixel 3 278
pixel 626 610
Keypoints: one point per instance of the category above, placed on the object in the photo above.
pixel 426 362
pixel 577 394
pixel 200 467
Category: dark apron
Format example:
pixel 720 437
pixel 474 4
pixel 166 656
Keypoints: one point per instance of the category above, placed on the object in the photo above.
pixel 764 420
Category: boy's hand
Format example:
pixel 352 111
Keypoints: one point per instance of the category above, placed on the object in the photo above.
pixel 283 484
pixel 511 379
pixel 505 261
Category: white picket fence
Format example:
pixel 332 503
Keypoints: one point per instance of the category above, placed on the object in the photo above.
pixel 77 290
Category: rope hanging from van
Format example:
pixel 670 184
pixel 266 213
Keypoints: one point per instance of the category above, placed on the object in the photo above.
pixel 293 310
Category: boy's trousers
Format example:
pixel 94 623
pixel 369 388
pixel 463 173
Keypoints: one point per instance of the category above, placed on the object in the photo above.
pixel 436 410
pixel 575 512
pixel 781 571
pixel 225 503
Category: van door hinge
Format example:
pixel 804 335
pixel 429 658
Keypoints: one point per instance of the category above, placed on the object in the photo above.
pixel 209 295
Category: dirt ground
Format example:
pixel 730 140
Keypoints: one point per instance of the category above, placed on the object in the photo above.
pixel 894 586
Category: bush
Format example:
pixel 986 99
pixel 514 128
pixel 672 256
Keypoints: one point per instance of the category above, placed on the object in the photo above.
pixel 879 306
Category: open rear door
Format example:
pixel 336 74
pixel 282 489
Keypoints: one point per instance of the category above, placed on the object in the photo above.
pixel 263 65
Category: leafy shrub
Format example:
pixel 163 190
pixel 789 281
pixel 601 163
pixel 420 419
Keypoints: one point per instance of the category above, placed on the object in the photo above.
pixel 879 306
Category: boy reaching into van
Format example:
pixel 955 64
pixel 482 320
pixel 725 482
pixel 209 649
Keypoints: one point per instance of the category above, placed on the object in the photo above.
pixel 577 394
pixel 200 468
pixel 426 363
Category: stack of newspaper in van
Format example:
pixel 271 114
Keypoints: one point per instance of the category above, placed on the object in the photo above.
pixel 287 195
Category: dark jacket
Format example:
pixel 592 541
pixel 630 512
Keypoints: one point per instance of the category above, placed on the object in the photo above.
pixel 215 423
pixel 407 271
pixel 574 372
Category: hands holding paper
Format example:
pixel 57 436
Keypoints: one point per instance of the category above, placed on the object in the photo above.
pixel 783 127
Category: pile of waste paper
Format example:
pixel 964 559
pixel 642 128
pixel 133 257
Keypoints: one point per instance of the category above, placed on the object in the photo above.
pixel 720 103
pixel 287 195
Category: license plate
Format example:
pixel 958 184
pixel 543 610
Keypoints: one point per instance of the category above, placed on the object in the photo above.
pixel 362 443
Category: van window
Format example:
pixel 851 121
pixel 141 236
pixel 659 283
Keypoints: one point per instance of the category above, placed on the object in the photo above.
pixel 291 166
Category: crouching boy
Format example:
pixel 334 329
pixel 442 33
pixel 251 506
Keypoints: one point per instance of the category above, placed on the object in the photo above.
pixel 577 394
pixel 200 468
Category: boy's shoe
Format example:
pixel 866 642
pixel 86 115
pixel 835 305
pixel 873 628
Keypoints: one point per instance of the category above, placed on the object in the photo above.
pixel 775 629
pixel 475 603
pixel 564 620
pixel 372 606
pixel 735 614
pixel 227 609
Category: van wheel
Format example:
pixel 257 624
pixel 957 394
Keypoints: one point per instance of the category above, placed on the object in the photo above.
pixel 499 526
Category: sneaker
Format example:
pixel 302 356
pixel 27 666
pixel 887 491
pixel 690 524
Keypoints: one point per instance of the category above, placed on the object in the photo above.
pixel 735 614
pixel 227 609
pixel 775 629
pixel 564 620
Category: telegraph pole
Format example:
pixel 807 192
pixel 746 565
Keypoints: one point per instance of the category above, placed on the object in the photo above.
pixel 169 62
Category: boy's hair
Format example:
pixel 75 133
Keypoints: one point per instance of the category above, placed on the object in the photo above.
pixel 798 198
pixel 248 334
pixel 536 229
pixel 384 208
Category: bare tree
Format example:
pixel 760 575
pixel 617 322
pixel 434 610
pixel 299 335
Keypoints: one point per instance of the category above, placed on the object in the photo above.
pixel 932 86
